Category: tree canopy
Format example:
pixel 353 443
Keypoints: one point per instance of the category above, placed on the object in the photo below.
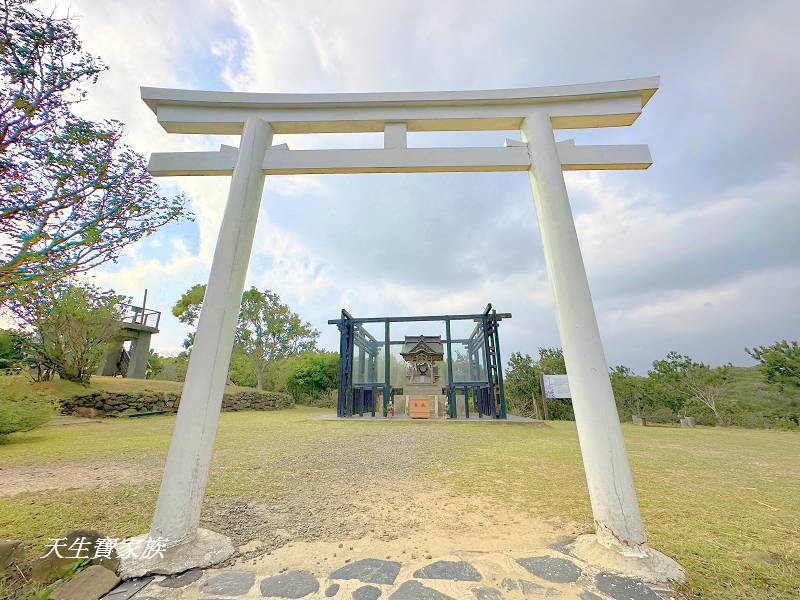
pixel 779 362
pixel 72 193
pixel 268 330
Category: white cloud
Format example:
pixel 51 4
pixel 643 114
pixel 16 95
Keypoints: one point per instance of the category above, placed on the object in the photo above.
pixel 697 253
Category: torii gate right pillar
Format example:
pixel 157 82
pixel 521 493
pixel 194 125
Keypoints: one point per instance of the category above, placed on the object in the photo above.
pixel 615 507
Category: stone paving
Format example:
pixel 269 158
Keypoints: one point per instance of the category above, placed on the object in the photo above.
pixel 479 576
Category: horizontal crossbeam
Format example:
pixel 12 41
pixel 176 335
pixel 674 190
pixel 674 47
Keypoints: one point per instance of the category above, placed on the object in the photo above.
pixel 500 317
pixel 282 161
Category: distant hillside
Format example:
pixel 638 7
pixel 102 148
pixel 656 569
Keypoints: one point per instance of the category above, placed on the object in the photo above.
pixel 761 403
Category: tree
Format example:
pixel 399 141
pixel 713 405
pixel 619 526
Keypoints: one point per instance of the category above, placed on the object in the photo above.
pixel 11 354
pixel 268 330
pixel 155 365
pixel 779 362
pixel 187 308
pixel 630 391
pixel 692 381
pixel 72 194
pixel 69 328
pixel 523 380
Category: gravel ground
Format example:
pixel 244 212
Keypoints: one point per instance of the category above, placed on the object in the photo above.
pixel 333 493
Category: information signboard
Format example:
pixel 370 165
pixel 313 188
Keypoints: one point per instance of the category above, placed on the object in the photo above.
pixel 556 386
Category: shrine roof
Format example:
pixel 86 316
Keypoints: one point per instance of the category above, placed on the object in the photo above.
pixel 417 344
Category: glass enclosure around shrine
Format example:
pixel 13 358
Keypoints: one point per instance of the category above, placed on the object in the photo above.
pixel 453 362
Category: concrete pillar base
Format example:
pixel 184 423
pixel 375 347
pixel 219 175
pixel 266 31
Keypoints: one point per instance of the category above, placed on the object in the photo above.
pixel 206 549
pixel 641 561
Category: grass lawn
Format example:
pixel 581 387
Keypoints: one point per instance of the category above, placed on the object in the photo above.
pixel 724 502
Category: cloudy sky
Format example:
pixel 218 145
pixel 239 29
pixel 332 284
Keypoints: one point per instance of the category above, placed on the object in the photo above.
pixel 700 253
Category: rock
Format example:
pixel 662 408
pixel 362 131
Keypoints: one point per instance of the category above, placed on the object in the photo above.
pixel 127 589
pixel 87 412
pixel 369 570
pixel 90 584
pixel 624 588
pixel 487 593
pixel 181 580
pixel 332 590
pixel 550 568
pixel 229 583
pixel 447 569
pixel 10 552
pixel 534 589
pixel 292 584
pixel 414 590
pixel 207 548
pixel 509 584
pixel 367 592
pixel 563 546
pixel 50 566
pixel 587 595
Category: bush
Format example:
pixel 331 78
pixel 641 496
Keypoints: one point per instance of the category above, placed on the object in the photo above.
pixel 70 327
pixel 313 378
pixel 21 413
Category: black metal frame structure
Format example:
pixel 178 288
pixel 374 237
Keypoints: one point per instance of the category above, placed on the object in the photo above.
pixel 484 385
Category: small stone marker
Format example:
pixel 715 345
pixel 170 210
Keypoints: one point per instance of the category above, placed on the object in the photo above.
pixel 91 584
pixel 487 593
pixel 624 588
pixel 448 569
pixel 182 579
pixel 367 592
pixel 414 590
pixel 332 590
pixel 229 583
pixel 369 570
pixel 550 568
pixel 292 584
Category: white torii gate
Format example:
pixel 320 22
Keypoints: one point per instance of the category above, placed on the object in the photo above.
pixel 536 112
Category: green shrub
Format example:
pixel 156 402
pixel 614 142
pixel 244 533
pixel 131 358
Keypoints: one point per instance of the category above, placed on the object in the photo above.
pixel 22 413
pixel 313 378
pixel 284 401
pixel 326 399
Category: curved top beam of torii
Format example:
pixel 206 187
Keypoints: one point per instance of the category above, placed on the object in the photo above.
pixel 607 104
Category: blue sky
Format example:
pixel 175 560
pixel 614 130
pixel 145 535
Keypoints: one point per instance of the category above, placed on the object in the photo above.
pixel 697 254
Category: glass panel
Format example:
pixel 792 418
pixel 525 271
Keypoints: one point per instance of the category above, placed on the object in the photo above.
pixel 398 369
pixel 368 352
pixel 469 360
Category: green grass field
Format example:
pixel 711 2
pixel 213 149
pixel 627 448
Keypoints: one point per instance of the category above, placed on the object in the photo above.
pixel 724 502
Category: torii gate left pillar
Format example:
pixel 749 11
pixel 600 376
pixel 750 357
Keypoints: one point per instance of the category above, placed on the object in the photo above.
pixel 183 484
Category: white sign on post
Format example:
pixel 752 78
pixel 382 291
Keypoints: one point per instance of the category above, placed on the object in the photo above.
pixel 556 386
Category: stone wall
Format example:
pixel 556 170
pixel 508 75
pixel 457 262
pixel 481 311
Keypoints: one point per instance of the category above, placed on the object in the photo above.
pixel 120 404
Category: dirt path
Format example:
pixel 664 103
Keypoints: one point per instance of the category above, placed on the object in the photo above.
pixel 76 475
